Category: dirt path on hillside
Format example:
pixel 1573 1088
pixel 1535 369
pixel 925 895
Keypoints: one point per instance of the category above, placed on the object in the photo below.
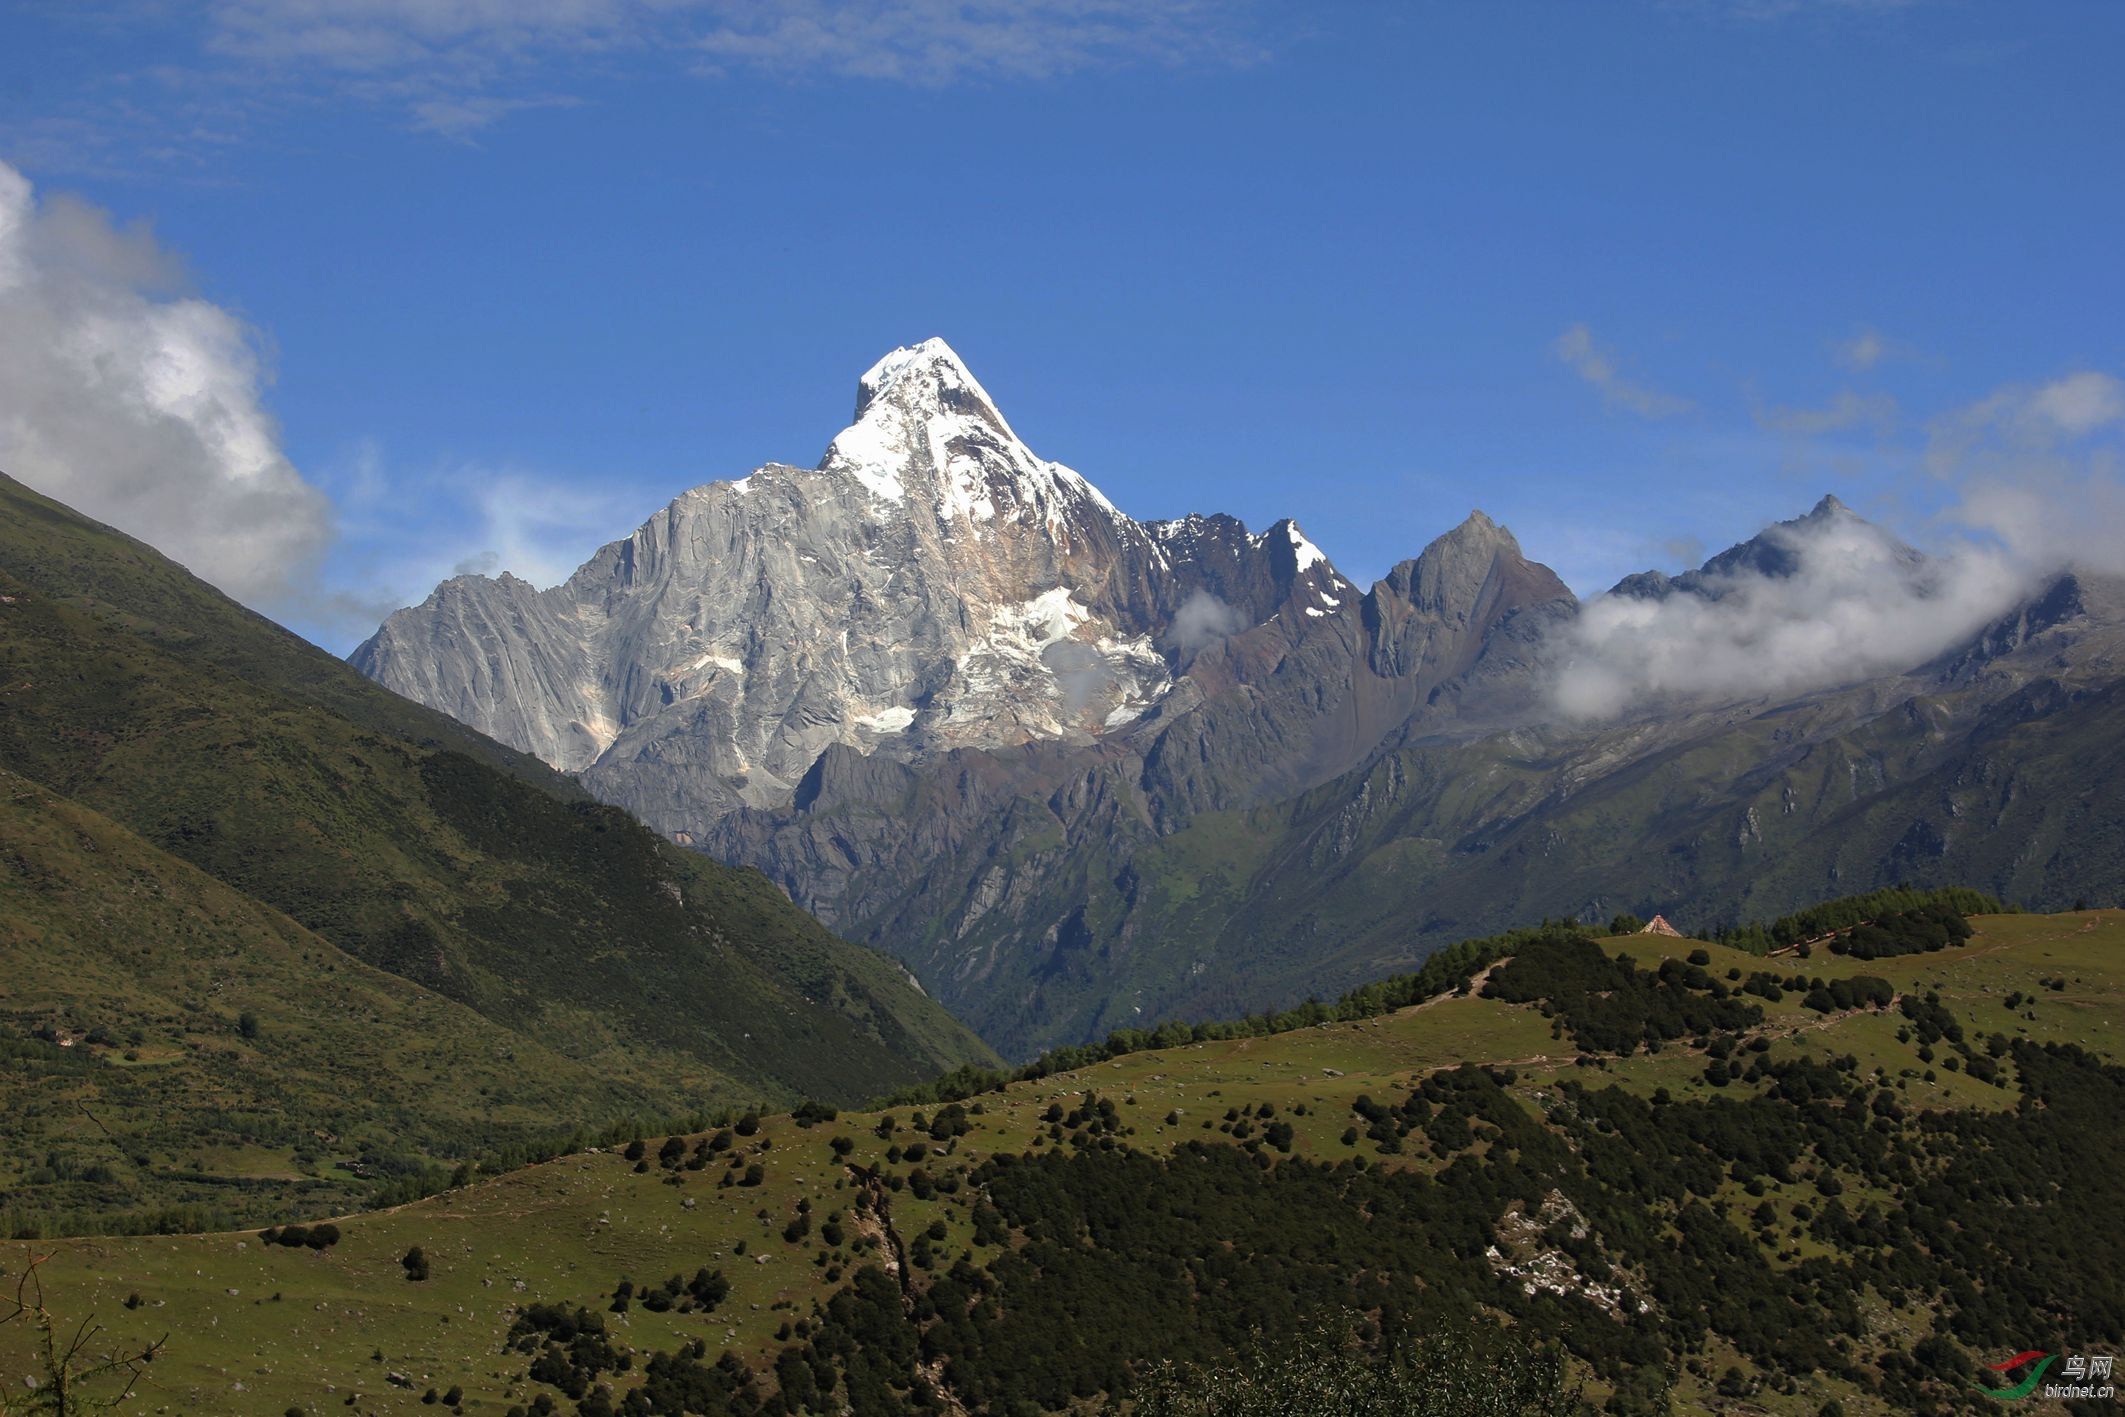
pixel 1476 982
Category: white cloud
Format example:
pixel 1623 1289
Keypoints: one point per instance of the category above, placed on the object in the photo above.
pixel 1203 619
pixel 1598 366
pixel 141 406
pixel 537 527
pixel 2057 517
pixel 457 67
pixel 2035 475
pixel 2020 423
pixel 940 41
pixel 473 519
pixel 1854 607
pixel 377 35
pixel 2080 403
pixel 460 118
pixel 921 41
pixel 2040 470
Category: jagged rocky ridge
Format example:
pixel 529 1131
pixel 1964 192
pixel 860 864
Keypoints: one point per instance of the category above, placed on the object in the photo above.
pixel 1083 772
pixel 931 585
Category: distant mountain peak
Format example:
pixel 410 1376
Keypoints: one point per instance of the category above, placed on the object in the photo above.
pixel 1304 554
pixel 922 415
pixel 1450 575
pixel 929 377
pixel 931 586
pixel 1478 528
pixel 1775 553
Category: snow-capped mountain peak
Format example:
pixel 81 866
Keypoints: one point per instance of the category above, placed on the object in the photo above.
pixel 932 584
pixel 930 378
pixel 926 429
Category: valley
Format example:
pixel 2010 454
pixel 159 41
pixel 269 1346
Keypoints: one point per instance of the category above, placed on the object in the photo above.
pixel 1481 773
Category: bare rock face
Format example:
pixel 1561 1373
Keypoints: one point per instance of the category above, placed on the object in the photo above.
pixel 948 696
pixel 931 585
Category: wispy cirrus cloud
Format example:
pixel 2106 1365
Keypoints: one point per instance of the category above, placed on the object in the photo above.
pixel 934 42
pixel 479 519
pixel 1599 366
pixel 461 118
pixel 373 36
pixel 457 67
pixel 1845 411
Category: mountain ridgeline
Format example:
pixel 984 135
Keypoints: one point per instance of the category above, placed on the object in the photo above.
pixel 282 935
pixel 1084 773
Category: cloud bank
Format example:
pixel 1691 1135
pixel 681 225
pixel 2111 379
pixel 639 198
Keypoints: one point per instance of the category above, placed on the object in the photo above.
pixel 140 406
pixel 2034 475
pixel 1854 607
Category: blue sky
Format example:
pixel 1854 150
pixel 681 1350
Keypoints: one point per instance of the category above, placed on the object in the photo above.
pixel 474 283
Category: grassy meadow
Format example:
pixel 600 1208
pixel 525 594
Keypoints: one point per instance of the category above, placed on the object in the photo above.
pixel 253 1327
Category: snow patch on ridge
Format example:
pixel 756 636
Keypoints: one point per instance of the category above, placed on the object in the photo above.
pixel 1054 646
pixel 920 404
pixel 1309 555
pixel 870 450
pixel 947 374
pixel 892 720
pixel 1042 621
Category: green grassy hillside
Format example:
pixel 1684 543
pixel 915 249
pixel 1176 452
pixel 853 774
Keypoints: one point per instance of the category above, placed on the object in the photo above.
pixel 208 818
pixel 172 1044
pixel 1801 1206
